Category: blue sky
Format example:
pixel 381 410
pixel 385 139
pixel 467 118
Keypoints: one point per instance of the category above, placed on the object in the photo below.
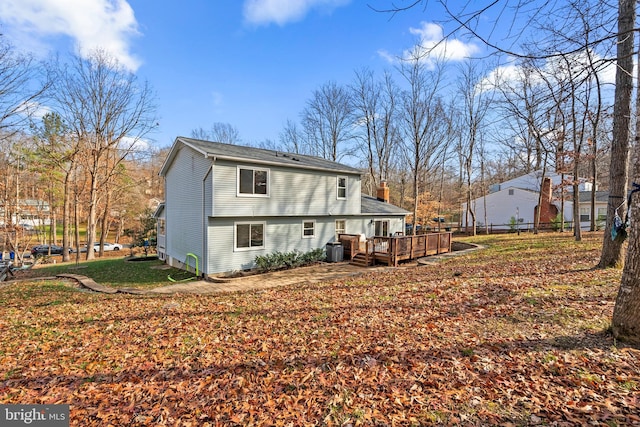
pixel 251 63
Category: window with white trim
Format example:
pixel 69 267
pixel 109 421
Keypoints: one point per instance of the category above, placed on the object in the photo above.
pixel 253 182
pixel 585 214
pixel 341 227
pixel 602 214
pixel 249 235
pixel 308 229
pixel 342 187
pixel 381 228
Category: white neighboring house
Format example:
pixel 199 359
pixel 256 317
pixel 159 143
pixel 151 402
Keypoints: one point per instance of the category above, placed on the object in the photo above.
pixel 226 204
pixel 517 199
pixel 29 213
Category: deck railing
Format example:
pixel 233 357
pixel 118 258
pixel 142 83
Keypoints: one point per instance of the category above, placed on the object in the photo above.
pixel 393 249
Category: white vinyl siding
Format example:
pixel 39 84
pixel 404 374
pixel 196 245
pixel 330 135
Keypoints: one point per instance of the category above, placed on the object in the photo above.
pixel 184 208
pixel 292 192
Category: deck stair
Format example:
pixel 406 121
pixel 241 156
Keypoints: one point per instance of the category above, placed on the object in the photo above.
pixel 360 259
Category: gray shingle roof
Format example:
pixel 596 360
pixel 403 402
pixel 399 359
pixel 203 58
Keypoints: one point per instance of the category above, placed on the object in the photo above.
pixel 264 156
pixel 373 206
pixel 601 196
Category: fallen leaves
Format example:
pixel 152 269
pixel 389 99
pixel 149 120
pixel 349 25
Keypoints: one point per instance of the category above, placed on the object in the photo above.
pixel 479 339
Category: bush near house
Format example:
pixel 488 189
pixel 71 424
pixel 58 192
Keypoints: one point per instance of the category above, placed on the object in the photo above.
pixel 283 260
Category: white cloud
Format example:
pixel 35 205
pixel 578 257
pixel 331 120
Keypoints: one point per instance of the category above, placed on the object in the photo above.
pixel 512 74
pixel 281 12
pixel 91 24
pixel 432 46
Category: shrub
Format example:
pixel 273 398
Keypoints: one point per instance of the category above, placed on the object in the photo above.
pixel 284 260
pixel 556 223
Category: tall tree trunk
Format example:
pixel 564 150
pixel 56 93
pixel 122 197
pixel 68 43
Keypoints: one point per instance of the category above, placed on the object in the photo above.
pixel 105 222
pixel 66 214
pixel 626 313
pixel 619 170
pixel 625 324
pixel 92 217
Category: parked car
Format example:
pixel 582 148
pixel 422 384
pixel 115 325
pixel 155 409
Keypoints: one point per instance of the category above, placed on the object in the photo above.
pixel 107 246
pixel 41 250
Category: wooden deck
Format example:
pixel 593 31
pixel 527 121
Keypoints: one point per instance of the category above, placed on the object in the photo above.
pixel 392 250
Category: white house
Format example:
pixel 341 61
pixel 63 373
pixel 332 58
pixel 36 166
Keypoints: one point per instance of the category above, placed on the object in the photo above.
pixel 226 204
pixel 517 200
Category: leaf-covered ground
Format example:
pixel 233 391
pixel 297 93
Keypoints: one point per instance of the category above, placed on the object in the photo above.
pixel 515 334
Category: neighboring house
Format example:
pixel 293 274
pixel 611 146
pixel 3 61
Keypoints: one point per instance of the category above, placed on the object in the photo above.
pixel 518 198
pixel 29 212
pixel 226 204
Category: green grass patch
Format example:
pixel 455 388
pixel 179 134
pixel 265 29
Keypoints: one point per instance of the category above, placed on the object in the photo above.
pixel 117 272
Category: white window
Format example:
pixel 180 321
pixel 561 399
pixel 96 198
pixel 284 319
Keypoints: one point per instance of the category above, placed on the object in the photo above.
pixel 308 229
pixel 342 187
pixel 585 214
pixel 381 228
pixel 253 182
pixel 161 226
pixel 341 227
pixel 249 235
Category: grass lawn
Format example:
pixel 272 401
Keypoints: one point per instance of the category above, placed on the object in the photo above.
pixel 114 271
pixel 515 334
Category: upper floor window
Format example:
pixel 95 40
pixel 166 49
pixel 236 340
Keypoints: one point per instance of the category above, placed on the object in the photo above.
pixel 511 192
pixel 252 181
pixel 342 187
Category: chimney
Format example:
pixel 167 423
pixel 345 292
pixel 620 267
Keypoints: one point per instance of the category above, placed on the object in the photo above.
pixel 382 193
pixel 546 190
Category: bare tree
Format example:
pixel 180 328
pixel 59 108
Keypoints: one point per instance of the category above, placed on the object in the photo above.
pixel 328 121
pixel 477 99
pixel 108 111
pixel 626 313
pixel 292 139
pixel 421 122
pixel 619 169
pixel 219 132
pixel 375 106
pixel 22 85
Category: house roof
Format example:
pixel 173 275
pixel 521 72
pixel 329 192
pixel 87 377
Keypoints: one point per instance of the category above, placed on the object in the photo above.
pixel 373 206
pixel 601 196
pixel 159 212
pixel 218 150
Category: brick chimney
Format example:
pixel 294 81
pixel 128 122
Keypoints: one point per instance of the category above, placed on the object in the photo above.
pixel 382 193
pixel 548 211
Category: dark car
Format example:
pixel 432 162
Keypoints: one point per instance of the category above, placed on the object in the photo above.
pixel 42 250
